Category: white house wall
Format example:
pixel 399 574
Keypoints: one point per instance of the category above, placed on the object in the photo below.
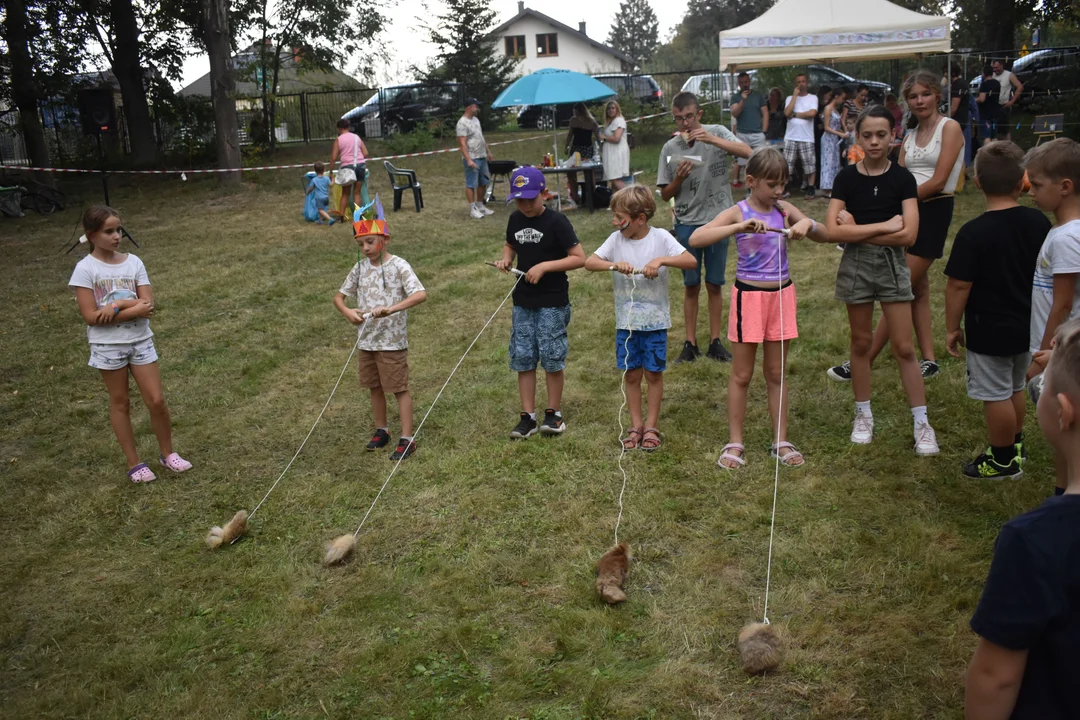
pixel 574 53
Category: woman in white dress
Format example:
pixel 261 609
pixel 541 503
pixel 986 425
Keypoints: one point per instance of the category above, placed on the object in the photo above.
pixel 616 151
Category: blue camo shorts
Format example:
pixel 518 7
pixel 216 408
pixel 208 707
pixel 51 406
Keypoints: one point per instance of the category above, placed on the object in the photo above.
pixel 714 257
pixel 645 349
pixel 539 336
pixel 119 356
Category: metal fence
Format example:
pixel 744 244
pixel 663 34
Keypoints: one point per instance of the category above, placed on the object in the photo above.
pixel 185 126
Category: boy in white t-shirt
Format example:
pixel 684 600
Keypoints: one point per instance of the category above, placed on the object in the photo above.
pixel 641 255
pixel 385 286
pixel 1054 172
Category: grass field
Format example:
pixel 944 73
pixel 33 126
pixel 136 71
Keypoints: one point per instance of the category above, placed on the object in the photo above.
pixel 471 592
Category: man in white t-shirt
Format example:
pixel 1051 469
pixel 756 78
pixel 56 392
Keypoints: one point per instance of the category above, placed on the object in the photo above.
pixel 474 156
pixel 800 108
pixel 1011 87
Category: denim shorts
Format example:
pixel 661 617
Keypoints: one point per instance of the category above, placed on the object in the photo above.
pixel 119 356
pixel 478 175
pixel 714 257
pixel 646 348
pixel 539 336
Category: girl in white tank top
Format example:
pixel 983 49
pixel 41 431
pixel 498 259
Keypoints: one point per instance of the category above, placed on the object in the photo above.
pixel 922 161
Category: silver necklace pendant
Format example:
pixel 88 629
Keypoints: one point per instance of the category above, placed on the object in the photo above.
pixel 875 191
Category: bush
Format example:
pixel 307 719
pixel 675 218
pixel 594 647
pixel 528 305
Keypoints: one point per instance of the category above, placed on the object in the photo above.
pixel 419 140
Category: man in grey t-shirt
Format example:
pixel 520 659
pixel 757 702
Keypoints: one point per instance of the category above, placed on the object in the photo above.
pixel 751 112
pixel 693 170
pixel 474 156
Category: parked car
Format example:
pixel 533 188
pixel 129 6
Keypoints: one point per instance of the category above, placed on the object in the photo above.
pixel 539 116
pixel 1044 72
pixel 715 86
pixel 642 88
pixel 824 75
pixel 401 108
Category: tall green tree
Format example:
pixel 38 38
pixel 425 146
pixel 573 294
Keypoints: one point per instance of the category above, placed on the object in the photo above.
pixel 634 31
pixel 215 32
pixel 22 87
pixel 466 52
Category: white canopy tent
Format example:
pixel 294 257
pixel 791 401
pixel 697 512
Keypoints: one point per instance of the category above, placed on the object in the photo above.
pixel 797 31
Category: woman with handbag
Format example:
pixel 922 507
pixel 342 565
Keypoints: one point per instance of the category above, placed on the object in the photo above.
pixel 352 176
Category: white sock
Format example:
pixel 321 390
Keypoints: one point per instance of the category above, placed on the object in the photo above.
pixel 863 408
pixel 384 429
pixel 919 414
pixel 532 415
pixel 407 438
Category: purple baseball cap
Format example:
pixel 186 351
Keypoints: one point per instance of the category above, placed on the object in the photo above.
pixel 526 183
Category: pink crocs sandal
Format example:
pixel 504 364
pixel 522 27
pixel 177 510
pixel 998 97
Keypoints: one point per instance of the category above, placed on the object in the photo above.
pixel 175 463
pixel 141 474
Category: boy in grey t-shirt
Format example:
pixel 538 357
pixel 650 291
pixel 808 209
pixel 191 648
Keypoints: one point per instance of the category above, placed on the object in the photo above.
pixel 693 169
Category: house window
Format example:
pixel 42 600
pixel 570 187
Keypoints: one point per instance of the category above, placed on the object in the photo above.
pixel 515 46
pixel 547 45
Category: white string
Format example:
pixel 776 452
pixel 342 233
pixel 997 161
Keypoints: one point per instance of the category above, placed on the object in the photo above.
pixel 622 387
pixel 433 402
pixel 340 375
pixel 779 418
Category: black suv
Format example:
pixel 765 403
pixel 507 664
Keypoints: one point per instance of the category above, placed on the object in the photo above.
pixel 642 88
pixel 824 75
pixel 401 108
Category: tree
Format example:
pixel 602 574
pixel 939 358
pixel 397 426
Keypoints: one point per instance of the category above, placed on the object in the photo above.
pixel 634 30
pixel 314 32
pixel 466 51
pixel 705 19
pixel 131 76
pixel 23 90
pixel 215 23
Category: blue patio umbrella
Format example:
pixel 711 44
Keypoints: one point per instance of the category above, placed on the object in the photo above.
pixel 552 87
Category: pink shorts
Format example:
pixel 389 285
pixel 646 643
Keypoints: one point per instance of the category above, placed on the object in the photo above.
pixel 755 314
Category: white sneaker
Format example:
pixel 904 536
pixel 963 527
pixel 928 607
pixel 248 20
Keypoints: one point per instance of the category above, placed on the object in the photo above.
pixel 863 430
pixel 485 209
pixel 925 440
pixel 475 212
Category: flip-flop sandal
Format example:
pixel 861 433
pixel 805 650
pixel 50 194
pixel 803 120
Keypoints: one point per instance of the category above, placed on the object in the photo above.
pixel 737 459
pixel 632 439
pixel 141 473
pixel 788 459
pixel 175 463
pixel 652 435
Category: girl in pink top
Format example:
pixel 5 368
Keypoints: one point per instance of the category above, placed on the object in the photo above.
pixel 763 298
pixel 351 150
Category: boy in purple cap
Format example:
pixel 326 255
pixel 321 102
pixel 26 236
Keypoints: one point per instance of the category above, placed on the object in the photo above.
pixel 546 247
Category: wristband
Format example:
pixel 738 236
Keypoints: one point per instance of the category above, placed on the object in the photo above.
pixel 813 225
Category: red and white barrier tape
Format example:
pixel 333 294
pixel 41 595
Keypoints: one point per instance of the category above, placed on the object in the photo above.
pixel 292 166
pixel 295 166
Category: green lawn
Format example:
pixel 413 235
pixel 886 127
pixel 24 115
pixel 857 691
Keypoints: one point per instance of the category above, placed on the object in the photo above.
pixel 471 592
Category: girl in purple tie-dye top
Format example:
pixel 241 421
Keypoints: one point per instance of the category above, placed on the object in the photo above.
pixel 763 297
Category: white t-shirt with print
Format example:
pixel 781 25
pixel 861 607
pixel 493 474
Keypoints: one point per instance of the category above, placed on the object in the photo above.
pixel 383 285
pixel 1060 255
pixel 650 309
pixel 469 128
pixel 111 282
pixel 801 129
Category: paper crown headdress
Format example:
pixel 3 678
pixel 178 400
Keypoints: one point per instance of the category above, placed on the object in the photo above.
pixel 370 220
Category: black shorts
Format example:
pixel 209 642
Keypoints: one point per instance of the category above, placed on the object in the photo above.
pixel 935 216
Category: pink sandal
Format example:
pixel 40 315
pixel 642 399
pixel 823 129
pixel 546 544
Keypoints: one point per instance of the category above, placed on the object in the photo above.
pixel 175 463
pixel 141 473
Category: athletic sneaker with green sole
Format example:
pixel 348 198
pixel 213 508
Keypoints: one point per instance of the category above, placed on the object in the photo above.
pixel 985 467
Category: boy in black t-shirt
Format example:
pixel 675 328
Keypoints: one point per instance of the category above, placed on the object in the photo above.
pixel 1028 619
pixel 546 247
pixel 991 270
